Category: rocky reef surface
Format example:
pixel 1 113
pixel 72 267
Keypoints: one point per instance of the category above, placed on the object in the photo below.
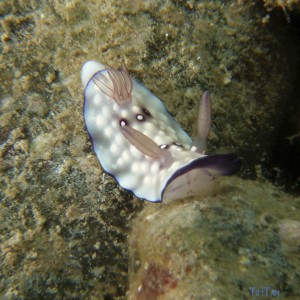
pixel 65 225
pixel 240 243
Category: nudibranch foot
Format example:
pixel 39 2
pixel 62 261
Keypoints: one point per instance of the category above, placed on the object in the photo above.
pixel 140 144
pixel 197 178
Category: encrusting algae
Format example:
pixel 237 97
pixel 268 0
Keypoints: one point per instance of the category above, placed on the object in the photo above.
pixel 217 248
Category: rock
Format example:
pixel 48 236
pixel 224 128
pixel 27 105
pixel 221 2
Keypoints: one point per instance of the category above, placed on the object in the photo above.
pixel 227 246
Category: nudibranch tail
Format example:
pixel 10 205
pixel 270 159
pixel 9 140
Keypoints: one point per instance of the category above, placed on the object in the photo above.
pixel 219 164
pixel 203 123
pixel 197 178
pixel 116 84
pixel 140 144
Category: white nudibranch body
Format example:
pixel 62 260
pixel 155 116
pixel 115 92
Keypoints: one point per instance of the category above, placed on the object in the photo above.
pixel 139 143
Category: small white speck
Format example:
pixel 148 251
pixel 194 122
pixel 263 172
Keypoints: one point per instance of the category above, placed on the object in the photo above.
pixel 135 109
pixel 108 131
pixel 113 149
pixel 114 124
pixel 154 167
pixel 97 100
pixel 100 121
pixel 124 113
pixel 140 117
pixel 126 156
pixel 119 140
pixel 150 129
pixel 120 162
pixel 115 107
pixel 135 167
pixel 147 180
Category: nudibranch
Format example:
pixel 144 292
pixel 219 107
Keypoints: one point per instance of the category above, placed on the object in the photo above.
pixel 140 144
